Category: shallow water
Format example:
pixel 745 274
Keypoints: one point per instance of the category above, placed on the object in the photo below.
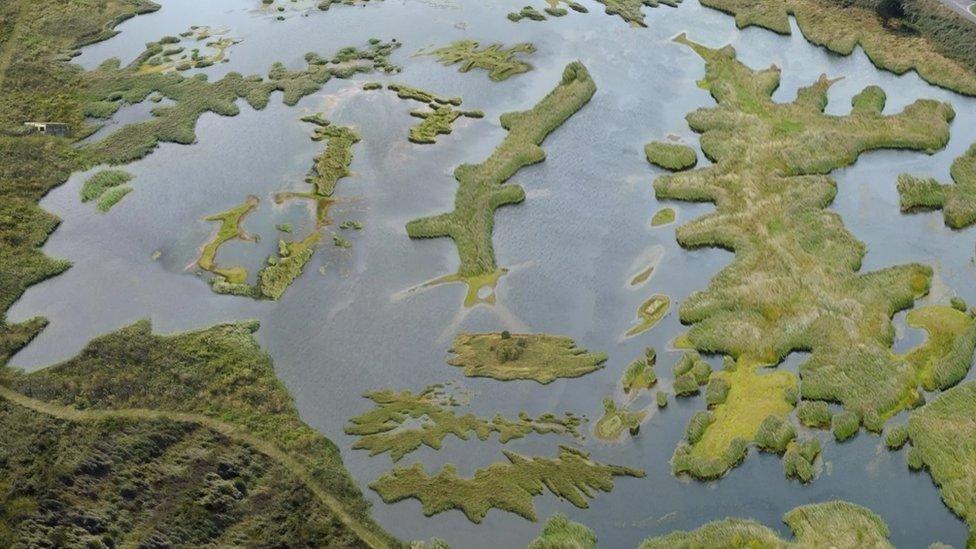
pixel 572 247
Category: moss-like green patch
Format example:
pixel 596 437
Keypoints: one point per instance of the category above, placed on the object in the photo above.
pixel 640 374
pixel 102 181
pixel 943 437
pixel 402 421
pixel 561 533
pixel 482 189
pixel 216 379
pixel 112 197
pixel 500 62
pixel 572 476
pixel 842 27
pixel 831 524
pixel 794 282
pixel 957 201
pixel 674 157
pixel 333 163
pixel 615 419
pixel 630 10
pixel 663 217
pixel 230 228
pixel 539 357
pixel 649 314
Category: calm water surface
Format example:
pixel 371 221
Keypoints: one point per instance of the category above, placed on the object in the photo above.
pixel 572 246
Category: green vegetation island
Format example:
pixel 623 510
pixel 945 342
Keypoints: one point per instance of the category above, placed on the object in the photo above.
pixel 501 63
pixel 482 188
pixel 538 357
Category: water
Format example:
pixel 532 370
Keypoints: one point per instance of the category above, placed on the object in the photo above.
pixel 572 247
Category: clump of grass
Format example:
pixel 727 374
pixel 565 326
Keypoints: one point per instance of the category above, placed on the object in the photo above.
pixel 846 425
pixel 958 304
pixel 957 201
pixel 284 227
pixel 896 437
pixel 697 425
pixel 768 182
pixel 369 86
pixel 674 157
pixel 572 476
pixel 437 121
pixel 944 358
pixel 814 413
pixel 111 197
pixel 662 399
pixel 561 533
pixel 97 184
pixel 775 434
pixel 292 257
pixel 650 313
pixel 630 10
pixel 424 96
pixel 830 524
pixel 799 458
pixel 539 357
pixel 690 373
pixel 527 12
pixel 640 373
pixel 663 217
pixel 501 63
pixel 481 187
pixel 385 428
pixel 841 27
pixel 717 391
pixel 615 420
pixel 340 241
pixel 350 224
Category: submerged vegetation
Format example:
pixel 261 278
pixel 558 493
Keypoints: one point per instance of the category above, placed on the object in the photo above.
pixel 940 50
pixel 482 189
pixel 663 216
pixel 674 157
pixel 538 357
pixel 572 476
pixel 210 394
pixel 831 524
pixel 957 201
pixel 501 63
pixel 794 283
pixel 390 426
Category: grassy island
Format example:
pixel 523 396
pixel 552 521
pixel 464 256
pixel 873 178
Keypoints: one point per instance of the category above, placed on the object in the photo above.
pixel 943 439
pixel 230 228
pixel 482 188
pixel 561 533
pixel 934 43
pixel 384 428
pixel 831 524
pixel 673 157
pixel 500 62
pixel 333 163
pixel 215 433
pixel 572 476
pixel 770 190
pixel 538 357
pixel 664 216
pixel 437 119
pixel 640 374
pixel 650 313
pixel 630 10
pixel 957 201
pixel 615 419
pixel 97 185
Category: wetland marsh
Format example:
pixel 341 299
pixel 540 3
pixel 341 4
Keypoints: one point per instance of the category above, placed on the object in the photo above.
pixel 543 375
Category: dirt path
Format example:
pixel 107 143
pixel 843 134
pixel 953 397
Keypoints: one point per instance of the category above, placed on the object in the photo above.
pixel 229 430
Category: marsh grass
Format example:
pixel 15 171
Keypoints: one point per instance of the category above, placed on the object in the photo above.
pixel 561 533
pixel 814 413
pixel 649 314
pixel 630 10
pixel 538 357
pixel 332 164
pixel 799 458
pixel 615 419
pixel 112 197
pixel 830 524
pixel 481 187
pixel 673 157
pixel 640 374
pixel 957 201
pixel 500 62
pixel 572 476
pixel 292 257
pixel 794 284
pixel 102 181
pixel 230 228
pixel 385 428
pixel 219 372
pixel 841 28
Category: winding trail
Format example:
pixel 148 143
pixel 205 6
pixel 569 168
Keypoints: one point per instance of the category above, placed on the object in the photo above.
pixel 229 430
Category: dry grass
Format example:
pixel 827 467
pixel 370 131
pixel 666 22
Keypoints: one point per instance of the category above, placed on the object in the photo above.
pixel 538 357
pixel 572 476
